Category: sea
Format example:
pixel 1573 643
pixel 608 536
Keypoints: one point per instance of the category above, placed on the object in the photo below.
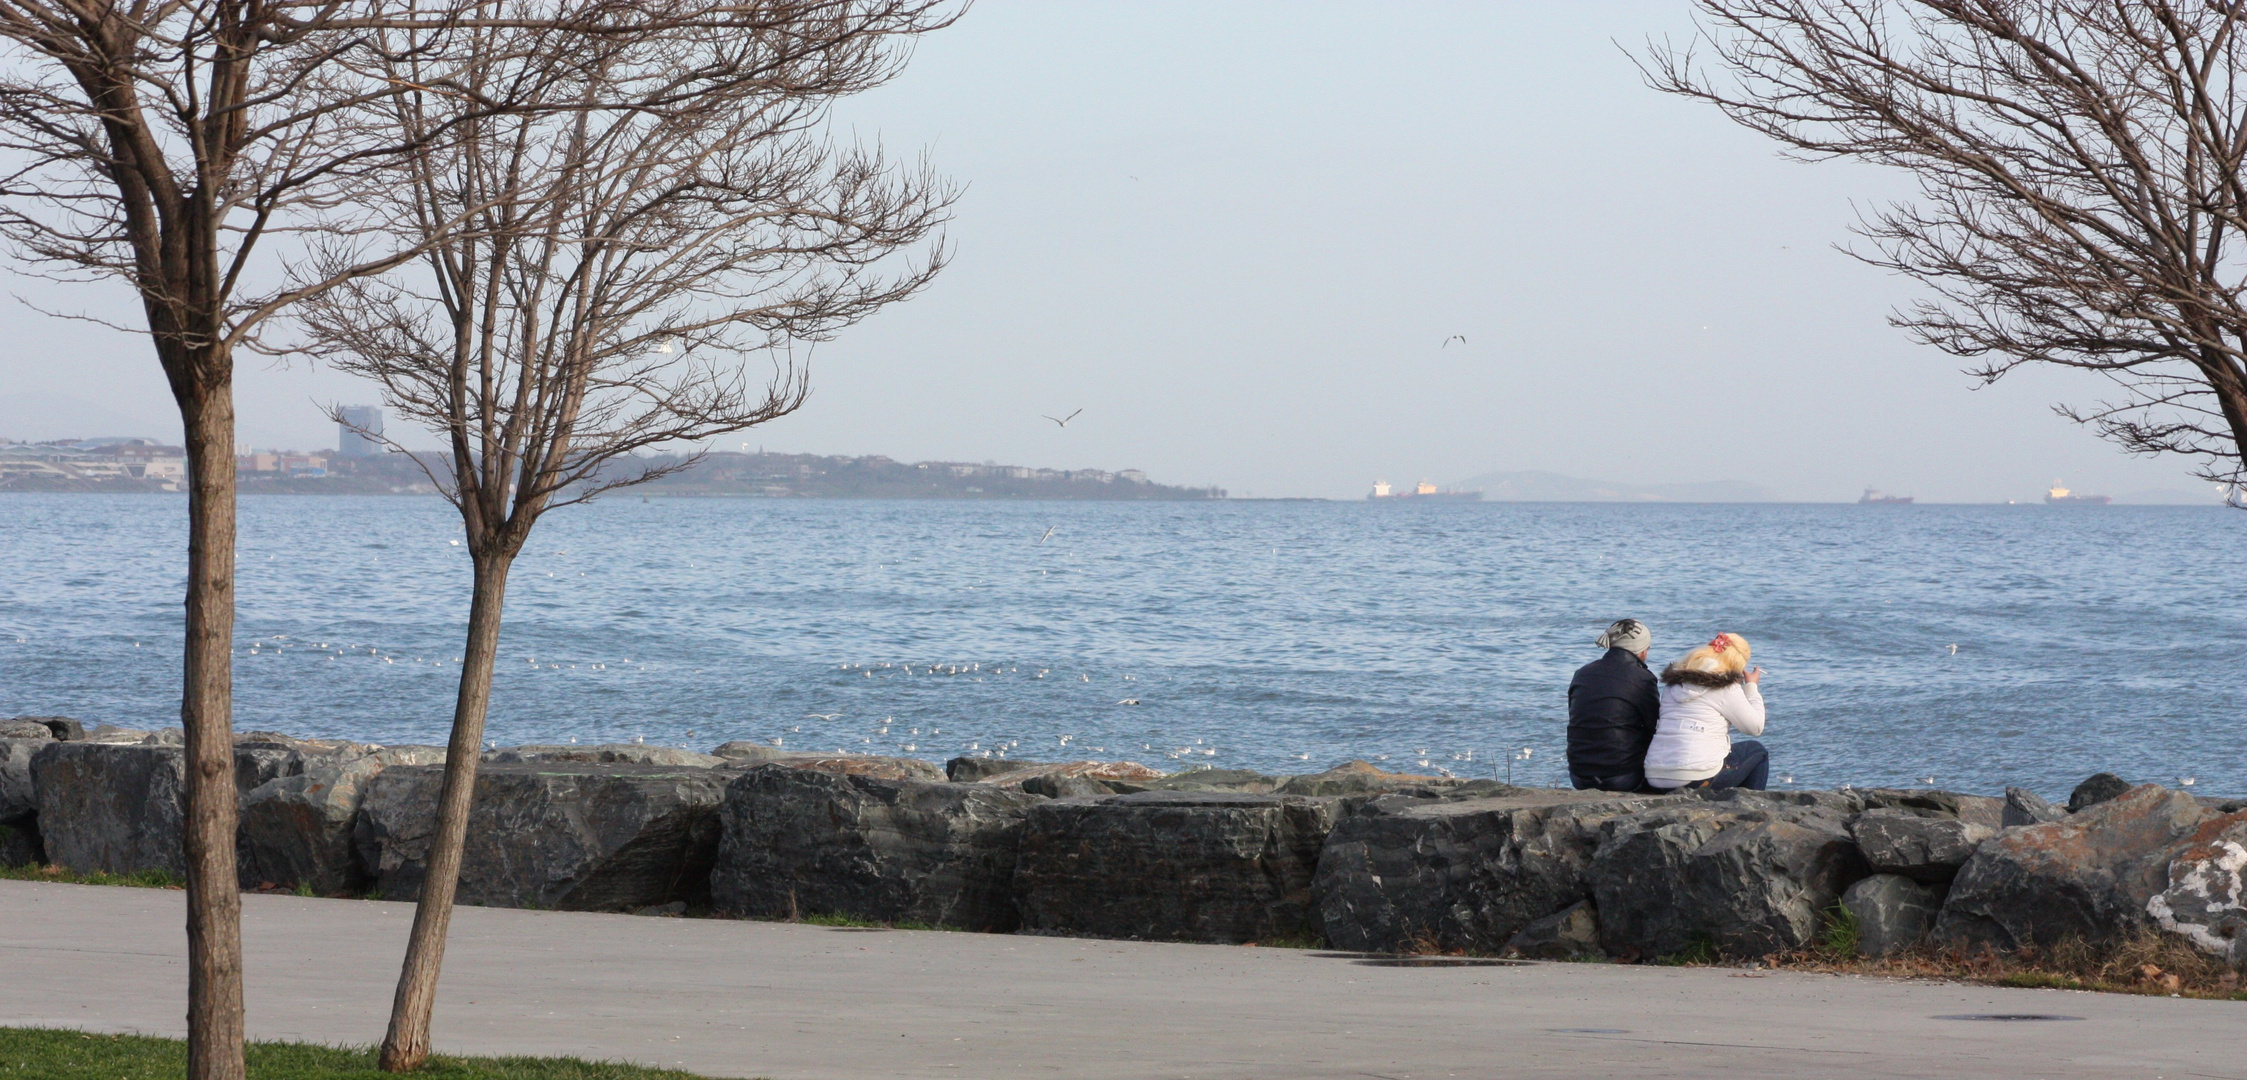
pixel 1963 647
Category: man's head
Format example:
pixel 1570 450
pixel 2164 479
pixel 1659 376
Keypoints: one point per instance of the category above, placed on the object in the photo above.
pixel 1630 635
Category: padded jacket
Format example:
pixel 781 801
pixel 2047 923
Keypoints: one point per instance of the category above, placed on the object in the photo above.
pixel 1613 705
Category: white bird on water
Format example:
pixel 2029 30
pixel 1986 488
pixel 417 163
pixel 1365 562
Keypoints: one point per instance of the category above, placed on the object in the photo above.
pixel 2184 781
pixel 823 716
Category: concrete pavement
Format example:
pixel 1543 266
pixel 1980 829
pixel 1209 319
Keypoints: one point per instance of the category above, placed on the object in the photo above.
pixel 746 999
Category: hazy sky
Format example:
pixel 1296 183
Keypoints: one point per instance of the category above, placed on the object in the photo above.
pixel 1236 235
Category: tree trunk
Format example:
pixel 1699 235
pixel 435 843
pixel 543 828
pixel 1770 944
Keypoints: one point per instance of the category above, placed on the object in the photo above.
pixel 406 1046
pixel 214 895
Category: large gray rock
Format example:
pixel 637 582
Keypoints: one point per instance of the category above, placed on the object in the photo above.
pixel 2090 876
pixel 1567 934
pixel 1172 866
pixel 111 808
pixel 59 728
pixel 1917 846
pixel 808 842
pixel 1893 912
pixel 1107 774
pixel 1751 881
pixel 2206 901
pixel 1363 778
pixel 2025 807
pixel 1254 783
pixel 1403 874
pixel 296 830
pixel 564 835
pixel 18 802
pixel 968 770
pixel 750 754
pixel 26 727
pixel 605 754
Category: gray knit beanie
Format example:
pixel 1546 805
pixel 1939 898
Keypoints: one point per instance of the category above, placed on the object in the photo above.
pixel 1629 635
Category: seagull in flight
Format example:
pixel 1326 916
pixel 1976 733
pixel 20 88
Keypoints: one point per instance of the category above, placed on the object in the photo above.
pixel 822 716
pixel 1064 420
pixel 1048 533
pixel 1460 338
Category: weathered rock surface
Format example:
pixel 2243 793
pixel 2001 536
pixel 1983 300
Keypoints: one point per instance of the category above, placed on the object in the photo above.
pixel 1254 783
pixel 2025 807
pixel 1404 874
pixel 26 727
pixel 296 829
pixel 19 845
pixel 2089 876
pixel 968 770
pixel 2206 901
pixel 112 808
pixel 804 842
pixel 1893 912
pixel 1127 771
pixel 744 753
pixel 1566 934
pixel 1917 846
pixel 2097 789
pixel 566 835
pixel 60 728
pixel 1172 865
pixel 1362 778
pixel 1750 880
pixel 18 803
pixel 606 754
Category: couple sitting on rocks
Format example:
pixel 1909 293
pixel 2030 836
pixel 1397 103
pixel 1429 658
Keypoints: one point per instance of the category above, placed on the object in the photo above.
pixel 1629 731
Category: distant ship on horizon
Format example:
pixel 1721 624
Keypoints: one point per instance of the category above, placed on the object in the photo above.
pixel 2060 496
pixel 1873 497
pixel 1425 492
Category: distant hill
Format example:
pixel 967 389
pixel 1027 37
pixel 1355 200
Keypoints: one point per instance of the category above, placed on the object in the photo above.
pixel 876 477
pixel 1555 487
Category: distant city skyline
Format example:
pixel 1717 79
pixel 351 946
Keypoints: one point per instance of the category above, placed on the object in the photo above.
pixel 1487 249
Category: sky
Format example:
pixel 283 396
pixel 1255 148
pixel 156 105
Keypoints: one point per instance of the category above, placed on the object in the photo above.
pixel 1238 237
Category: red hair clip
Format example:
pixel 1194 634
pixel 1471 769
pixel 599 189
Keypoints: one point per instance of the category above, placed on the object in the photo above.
pixel 1721 642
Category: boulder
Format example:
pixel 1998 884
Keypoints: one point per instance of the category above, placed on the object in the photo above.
pixel 1130 772
pixel 296 830
pixel 1918 847
pixel 2025 807
pixel 1060 786
pixel 1172 865
pixel 26 727
pixel 1893 912
pixel 566 835
pixel 2097 789
pixel 1751 881
pixel 1567 934
pixel 1255 783
pixel 1401 874
pixel 18 802
pixel 105 807
pixel 744 753
pixel 606 754
pixel 59 728
pixel 1362 778
pixel 19 846
pixel 2089 876
pixel 968 770
pixel 809 842
pixel 2206 898
pixel 746 750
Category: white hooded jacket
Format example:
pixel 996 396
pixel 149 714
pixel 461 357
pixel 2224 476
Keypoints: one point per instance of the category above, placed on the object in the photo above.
pixel 1694 732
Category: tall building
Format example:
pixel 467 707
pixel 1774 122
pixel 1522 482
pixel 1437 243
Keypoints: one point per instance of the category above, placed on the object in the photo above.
pixel 358 418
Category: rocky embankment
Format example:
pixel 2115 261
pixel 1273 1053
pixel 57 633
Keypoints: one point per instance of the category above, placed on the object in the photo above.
pixel 1363 859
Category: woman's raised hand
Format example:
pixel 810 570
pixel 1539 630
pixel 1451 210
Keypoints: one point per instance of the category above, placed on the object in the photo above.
pixel 1754 677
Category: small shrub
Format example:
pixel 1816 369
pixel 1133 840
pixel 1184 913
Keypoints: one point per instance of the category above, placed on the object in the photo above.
pixel 1701 952
pixel 1842 939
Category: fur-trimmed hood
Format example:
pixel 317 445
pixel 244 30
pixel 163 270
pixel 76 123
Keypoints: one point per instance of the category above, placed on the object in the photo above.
pixel 1674 675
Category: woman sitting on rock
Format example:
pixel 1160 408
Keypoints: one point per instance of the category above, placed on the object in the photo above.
pixel 1705 695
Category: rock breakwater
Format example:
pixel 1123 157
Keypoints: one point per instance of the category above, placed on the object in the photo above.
pixel 1364 859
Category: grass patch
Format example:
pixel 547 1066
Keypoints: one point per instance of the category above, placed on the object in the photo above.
pixel 1842 939
pixel 853 921
pixel 52 1054
pixel 1307 939
pixel 1701 952
pixel 2148 963
pixel 145 879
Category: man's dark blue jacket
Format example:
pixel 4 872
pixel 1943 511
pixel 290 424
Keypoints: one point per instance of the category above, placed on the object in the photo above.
pixel 1612 705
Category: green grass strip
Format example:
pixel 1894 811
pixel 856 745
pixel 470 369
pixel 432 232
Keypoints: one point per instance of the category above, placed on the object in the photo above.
pixel 55 1054
pixel 145 879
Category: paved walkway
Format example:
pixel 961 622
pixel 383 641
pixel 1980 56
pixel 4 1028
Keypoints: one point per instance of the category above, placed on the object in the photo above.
pixel 744 999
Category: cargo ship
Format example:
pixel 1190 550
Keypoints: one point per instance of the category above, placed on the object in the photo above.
pixel 1424 492
pixel 2060 496
pixel 1872 497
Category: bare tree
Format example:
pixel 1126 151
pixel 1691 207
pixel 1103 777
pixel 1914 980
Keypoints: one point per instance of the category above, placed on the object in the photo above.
pixel 598 266
pixel 2079 165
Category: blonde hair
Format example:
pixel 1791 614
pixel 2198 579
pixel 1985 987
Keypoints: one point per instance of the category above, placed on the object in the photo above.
pixel 1725 654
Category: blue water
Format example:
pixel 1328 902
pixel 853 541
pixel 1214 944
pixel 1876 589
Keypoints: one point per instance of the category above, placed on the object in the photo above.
pixel 1274 636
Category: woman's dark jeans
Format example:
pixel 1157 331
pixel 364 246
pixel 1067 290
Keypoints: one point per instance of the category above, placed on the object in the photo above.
pixel 1747 766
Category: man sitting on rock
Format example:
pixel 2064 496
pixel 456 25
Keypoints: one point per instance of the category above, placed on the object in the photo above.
pixel 1613 703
